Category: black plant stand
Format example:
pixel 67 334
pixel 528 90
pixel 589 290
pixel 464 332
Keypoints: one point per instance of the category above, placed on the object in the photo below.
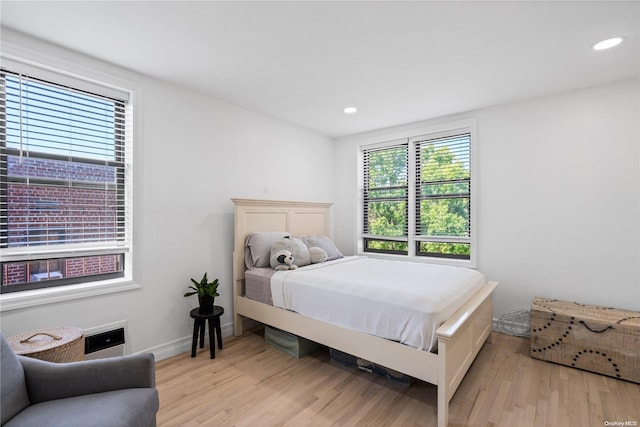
pixel 214 329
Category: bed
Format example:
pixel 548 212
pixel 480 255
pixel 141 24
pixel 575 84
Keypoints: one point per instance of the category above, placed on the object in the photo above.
pixel 459 338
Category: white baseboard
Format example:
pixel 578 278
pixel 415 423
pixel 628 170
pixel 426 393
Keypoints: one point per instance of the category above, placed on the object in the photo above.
pixel 182 345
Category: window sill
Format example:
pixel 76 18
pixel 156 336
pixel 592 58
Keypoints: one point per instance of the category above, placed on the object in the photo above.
pixel 420 259
pixel 25 299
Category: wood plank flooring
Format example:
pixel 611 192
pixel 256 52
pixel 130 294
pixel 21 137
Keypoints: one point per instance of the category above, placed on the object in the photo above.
pixel 251 383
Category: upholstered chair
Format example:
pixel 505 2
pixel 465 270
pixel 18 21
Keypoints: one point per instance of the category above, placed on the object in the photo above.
pixel 112 392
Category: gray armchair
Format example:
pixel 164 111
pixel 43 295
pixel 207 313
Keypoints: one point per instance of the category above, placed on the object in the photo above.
pixel 118 391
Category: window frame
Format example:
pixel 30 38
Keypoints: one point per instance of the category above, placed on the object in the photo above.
pixel 61 71
pixel 392 145
pixel 411 136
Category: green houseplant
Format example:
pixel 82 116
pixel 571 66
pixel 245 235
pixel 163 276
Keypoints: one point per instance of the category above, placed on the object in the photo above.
pixel 207 292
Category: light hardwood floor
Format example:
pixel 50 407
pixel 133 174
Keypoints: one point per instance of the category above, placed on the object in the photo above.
pixel 251 383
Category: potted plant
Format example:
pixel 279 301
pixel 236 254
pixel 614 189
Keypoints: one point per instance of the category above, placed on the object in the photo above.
pixel 207 292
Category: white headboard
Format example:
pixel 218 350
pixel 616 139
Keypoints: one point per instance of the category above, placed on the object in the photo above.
pixel 296 218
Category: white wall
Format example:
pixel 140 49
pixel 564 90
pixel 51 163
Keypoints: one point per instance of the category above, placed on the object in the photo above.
pixel 559 196
pixel 559 204
pixel 197 154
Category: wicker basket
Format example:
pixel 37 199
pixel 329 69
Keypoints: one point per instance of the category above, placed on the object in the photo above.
pixel 590 337
pixel 64 344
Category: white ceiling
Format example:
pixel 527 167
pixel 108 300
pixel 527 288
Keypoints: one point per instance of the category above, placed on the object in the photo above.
pixel 303 62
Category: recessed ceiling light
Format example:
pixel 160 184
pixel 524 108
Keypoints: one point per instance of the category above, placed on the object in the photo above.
pixel 606 44
pixel 350 110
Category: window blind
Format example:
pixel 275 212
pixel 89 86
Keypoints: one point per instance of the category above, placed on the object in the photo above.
pixel 63 165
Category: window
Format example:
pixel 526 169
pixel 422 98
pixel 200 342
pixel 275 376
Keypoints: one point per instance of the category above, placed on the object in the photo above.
pixel 386 198
pixel 443 196
pixel 65 169
pixel 417 196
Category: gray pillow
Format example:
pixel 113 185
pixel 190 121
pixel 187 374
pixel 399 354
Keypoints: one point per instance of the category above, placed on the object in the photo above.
pixel 257 248
pixel 325 243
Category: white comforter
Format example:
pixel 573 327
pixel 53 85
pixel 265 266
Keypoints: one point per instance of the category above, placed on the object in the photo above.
pixel 396 300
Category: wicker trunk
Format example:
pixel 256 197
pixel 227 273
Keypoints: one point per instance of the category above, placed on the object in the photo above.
pixel 63 344
pixel 593 338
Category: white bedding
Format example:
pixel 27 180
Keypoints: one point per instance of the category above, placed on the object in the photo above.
pixel 396 300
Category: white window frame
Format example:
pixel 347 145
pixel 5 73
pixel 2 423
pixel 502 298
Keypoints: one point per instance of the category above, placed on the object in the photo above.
pixel 18 59
pixel 410 136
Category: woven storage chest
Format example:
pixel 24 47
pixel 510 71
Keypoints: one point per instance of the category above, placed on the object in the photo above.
pixel 53 345
pixel 590 337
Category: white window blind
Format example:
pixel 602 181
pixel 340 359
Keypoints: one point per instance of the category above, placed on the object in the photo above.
pixel 63 203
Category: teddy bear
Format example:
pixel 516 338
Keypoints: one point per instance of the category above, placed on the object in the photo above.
pixel 282 260
pixel 298 251
pixel 317 254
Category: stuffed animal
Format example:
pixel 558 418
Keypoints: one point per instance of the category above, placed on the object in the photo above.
pixel 317 254
pixel 298 250
pixel 282 260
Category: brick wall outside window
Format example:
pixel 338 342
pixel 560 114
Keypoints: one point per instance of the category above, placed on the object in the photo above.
pixel 49 213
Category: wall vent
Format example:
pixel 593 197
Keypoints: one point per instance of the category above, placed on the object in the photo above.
pixel 104 344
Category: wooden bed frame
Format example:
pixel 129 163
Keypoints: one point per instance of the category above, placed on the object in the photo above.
pixel 459 338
